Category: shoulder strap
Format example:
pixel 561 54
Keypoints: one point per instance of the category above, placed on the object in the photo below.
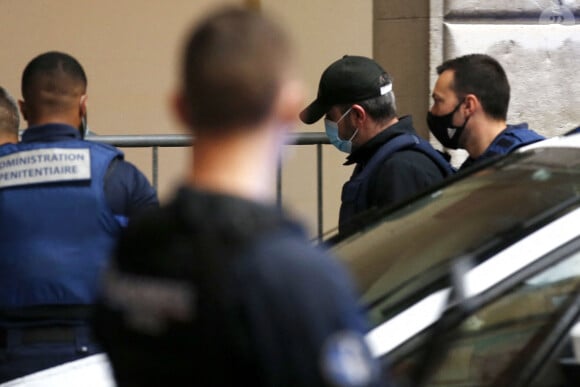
pixel 426 148
pixel 512 139
pixel 408 141
pixel 402 141
pixel 354 192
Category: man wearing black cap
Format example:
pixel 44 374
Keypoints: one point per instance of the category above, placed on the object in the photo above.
pixel 392 161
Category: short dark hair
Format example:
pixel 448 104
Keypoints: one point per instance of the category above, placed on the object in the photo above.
pixel 483 76
pixel 233 65
pixel 50 64
pixel 9 117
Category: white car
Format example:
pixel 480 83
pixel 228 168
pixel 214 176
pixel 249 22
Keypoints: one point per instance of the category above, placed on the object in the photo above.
pixel 476 282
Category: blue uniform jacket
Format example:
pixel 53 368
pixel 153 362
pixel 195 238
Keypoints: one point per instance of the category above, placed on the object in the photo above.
pixel 389 170
pixel 513 137
pixel 242 297
pixel 57 227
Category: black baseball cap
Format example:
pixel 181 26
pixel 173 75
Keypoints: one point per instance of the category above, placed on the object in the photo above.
pixel 348 80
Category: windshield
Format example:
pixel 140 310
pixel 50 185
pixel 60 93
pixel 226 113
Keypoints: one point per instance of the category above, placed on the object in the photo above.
pixel 410 248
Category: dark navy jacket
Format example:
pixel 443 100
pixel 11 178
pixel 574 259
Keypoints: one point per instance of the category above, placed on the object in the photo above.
pixel 253 302
pixel 57 227
pixel 511 138
pixel 392 166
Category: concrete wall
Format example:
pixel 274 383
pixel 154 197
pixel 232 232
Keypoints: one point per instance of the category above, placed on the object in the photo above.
pixel 537 42
pixel 401 45
pixel 130 51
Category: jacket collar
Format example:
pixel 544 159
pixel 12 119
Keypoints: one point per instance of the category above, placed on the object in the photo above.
pixel 368 149
pixel 50 132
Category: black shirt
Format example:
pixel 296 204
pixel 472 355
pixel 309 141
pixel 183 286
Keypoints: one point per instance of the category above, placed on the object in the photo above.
pixel 266 308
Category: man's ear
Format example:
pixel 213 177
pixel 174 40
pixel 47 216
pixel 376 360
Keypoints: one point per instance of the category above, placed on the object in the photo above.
pixel 83 105
pixel 358 114
pixel 180 108
pixel 23 109
pixel 472 103
pixel 290 101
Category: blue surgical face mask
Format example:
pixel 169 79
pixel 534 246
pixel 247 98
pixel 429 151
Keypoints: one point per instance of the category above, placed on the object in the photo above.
pixel 331 128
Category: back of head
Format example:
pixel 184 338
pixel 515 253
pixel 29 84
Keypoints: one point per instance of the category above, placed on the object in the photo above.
pixel 235 64
pixel 483 76
pixel 52 84
pixel 9 117
pixel 233 67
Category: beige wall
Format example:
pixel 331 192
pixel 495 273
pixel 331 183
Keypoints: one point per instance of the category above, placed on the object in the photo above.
pixel 401 45
pixel 130 48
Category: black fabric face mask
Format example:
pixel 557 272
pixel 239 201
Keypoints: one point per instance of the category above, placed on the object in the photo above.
pixel 443 129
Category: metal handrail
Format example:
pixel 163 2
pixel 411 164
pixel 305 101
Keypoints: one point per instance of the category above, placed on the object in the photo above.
pixel 155 141
pixel 179 140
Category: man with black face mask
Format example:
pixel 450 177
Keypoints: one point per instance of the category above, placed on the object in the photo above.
pixel 356 97
pixel 470 104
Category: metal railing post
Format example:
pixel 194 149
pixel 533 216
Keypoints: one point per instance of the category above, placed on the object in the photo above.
pixel 155 157
pixel 279 184
pixel 319 196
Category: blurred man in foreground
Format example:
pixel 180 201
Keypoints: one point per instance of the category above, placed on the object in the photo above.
pixel 219 288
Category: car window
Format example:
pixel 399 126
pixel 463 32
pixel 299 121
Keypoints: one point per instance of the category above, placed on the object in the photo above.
pixel 410 249
pixel 425 307
pixel 486 348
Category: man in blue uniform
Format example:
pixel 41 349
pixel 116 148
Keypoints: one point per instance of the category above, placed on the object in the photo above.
pixel 392 161
pixel 469 111
pixel 9 118
pixel 63 202
pixel 220 288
